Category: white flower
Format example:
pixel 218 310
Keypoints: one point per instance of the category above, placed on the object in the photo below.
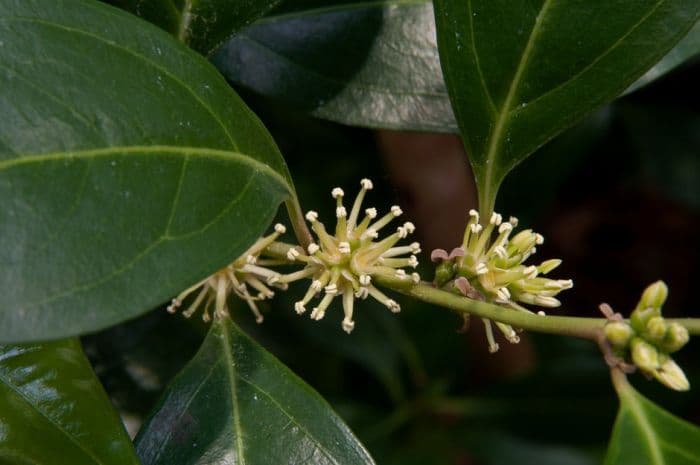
pixel 247 277
pixel 344 260
pixel 493 265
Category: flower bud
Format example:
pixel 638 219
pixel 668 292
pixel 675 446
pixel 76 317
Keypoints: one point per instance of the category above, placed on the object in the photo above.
pixel 444 272
pixel 523 240
pixel 654 295
pixel 670 375
pixel 548 265
pixel 676 337
pixel 656 329
pixel 618 334
pixel 641 316
pixel 644 355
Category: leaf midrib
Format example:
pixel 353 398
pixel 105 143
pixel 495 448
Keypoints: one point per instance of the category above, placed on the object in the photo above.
pixel 497 134
pixel 57 425
pixel 637 412
pixel 231 371
pixel 205 152
pixel 185 18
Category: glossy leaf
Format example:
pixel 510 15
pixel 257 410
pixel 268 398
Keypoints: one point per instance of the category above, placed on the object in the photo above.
pixel 201 24
pixel 235 403
pixel 54 410
pixel 519 72
pixel 685 50
pixel 371 64
pixel 646 434
pixel 128 168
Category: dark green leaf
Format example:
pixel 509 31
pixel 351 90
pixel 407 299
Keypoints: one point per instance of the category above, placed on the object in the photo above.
pixel 685 50
pixel 646 434
pixel 235 403
pixel 128 168
pixel 54 410
pixel 519 72
pixel 201 24
pixel 369 64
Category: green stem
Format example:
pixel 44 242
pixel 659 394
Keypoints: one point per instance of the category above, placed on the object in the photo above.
pixel 586 328
pixel 296 216
pixel 487 198
pixel 619 380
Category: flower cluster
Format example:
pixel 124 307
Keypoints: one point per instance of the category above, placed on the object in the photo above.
pixel 344 262
pixel 647 339
pixel 247 277
pixel 339 264
pixel 490 266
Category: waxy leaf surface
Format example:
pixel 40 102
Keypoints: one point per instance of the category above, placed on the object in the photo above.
pixel 685 50
pixel 646 434
pixel 519 72
pixel 54 410
pixel 201 24
pixel 128 168
pixel 371 64
pixel 235 403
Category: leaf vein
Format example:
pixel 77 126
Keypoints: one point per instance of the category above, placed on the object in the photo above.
pixel 496 136
pixel 290 417
pixel 139 56
pixel 52 421
pixel 597 59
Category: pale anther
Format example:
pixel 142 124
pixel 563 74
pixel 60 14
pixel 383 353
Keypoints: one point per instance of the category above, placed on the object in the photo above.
pixel 505 227
pixel 331 289
pixel 292 254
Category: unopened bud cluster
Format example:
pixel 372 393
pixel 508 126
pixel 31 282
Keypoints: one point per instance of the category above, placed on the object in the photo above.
pixel 648 340
pixel 490 265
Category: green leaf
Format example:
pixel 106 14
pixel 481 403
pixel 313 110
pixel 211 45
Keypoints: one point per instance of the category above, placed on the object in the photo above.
pixel 235 403
pixel 128 168
pixel 646 434
pixel 371 64
pixel 54 410
pixel 685 50
pixel 201 24
pixel 519 72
